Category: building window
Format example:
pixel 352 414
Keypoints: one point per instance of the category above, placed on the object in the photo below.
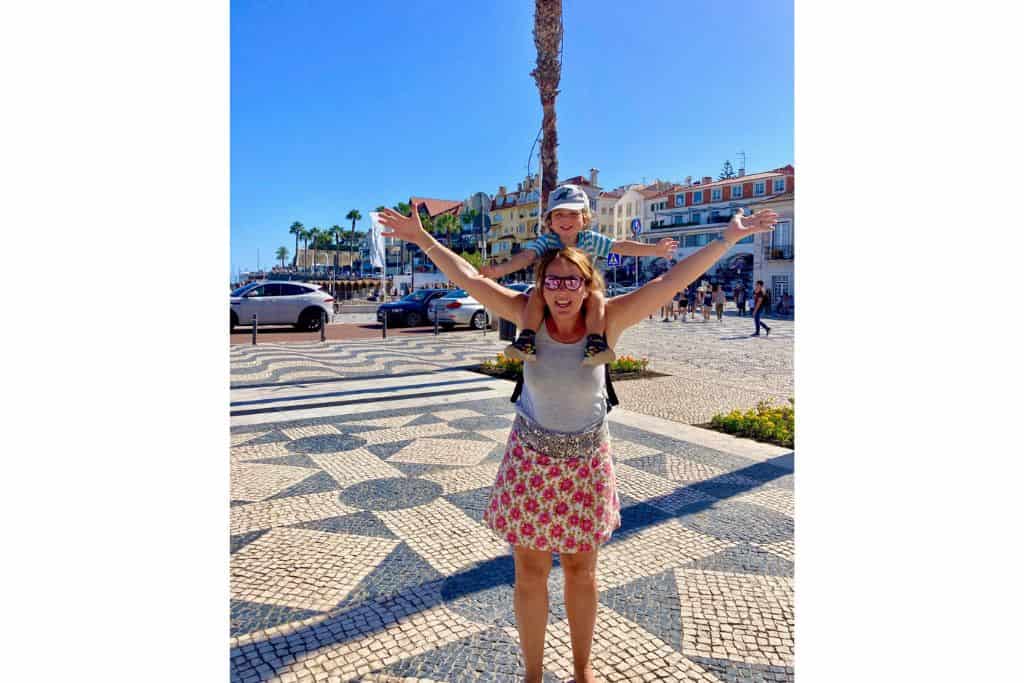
pixel 737 191
pixel 759 188
pixel 677 219
pixel 779 185
pixel 698 197
pixel 695 217
pixel 692 241
pixel 782 236
pixel 716 195
pixel 780 288
pixel 680 200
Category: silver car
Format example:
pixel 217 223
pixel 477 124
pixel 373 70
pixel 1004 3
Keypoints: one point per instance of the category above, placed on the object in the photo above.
pixel 457 307
pixel 301 304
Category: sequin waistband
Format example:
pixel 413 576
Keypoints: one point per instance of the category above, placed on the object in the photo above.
pixel 560 444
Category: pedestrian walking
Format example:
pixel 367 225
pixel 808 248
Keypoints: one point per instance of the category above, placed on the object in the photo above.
pixel 739 294
pixel 718 299
pixel 760 308
pixel 706 308
pixel 556 488
pixel 691 301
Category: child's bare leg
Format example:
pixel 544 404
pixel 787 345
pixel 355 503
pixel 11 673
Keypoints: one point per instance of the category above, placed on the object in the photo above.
pixel 597 351
pixel 524 348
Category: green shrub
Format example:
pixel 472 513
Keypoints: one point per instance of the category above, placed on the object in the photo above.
pixel 504 365
pixel 773 424
pixel 629 364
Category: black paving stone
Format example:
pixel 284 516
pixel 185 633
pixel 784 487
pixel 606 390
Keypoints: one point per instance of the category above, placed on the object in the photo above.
pixel 636 516
pixel 296 460
pixel 320 482
pixel 239 541
pixel 359 523
pixel 471 502
pixel 247 617
pixel 270 437
pixel 461 436
pixel 655 464
pixel 744 558
pixel 386 450
pixel 483 593
pixel 490 655
pixel 236 503
pixel 403 571
pixel 325 443
pixel 653 603
pixel 428 419
pixel 736 521
pixel 742 672
pixel 391 494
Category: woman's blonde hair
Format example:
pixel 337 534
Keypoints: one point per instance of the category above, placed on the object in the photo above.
pixel 587 218
pixel 592 277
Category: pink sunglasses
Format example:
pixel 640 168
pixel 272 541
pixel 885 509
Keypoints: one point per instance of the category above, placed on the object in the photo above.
pixel 571 282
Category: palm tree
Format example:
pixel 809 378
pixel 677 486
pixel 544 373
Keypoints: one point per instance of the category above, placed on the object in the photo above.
pixel 336 231
pixel 314 238
pixel 547 38
pixel 282 254
pixel 296 230
pixel 448 224
pixel 304 235
pixel 353 216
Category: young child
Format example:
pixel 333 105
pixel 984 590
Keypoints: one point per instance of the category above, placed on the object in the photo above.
pixel 567 215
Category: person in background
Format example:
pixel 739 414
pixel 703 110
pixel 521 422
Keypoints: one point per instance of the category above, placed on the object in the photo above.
pixel 739 294
pixel 691 302
pixel 706 309
pixel 718 299
pixel 760 307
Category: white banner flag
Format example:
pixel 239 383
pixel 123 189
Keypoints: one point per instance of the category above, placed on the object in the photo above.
pixel 376 241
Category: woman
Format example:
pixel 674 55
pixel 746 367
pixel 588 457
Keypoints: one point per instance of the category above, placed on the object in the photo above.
pixel 555 489
pixel 718 299
pixel 706 309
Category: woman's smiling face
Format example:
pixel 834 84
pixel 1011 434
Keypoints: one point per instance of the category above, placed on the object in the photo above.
pixel 563 303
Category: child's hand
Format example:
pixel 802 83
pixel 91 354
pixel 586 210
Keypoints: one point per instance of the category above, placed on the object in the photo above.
pixel 489 271
pixel 667 247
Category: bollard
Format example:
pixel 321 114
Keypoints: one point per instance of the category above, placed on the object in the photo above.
pixel 323 325
pixel 254 329
pixel 384 330
pixel 435 323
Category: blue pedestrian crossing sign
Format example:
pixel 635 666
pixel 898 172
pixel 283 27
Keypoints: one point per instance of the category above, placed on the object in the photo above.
pixel 613 260
pixel 635 226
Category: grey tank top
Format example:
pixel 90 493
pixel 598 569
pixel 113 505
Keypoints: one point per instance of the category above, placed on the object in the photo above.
pixel 558 393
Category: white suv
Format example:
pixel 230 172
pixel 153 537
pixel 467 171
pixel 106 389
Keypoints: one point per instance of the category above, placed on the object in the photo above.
pixel 280 303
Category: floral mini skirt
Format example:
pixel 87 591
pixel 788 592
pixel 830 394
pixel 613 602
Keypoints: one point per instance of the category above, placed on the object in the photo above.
pixel 554 491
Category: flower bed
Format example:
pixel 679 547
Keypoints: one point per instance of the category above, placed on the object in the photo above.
pixel 772 424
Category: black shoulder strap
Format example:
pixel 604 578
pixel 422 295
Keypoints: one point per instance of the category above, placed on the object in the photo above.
pixel 518 390
pixel 611 399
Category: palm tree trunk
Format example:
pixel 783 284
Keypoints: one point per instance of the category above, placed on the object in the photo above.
pixel 547 37
pixel 295 259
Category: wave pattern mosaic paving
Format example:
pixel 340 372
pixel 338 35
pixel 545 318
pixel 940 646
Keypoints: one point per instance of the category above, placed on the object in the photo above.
pixel 358 551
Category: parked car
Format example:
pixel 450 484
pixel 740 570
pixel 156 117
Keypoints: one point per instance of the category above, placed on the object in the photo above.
pixel 458 308
pixel 280 303
pixel 411 309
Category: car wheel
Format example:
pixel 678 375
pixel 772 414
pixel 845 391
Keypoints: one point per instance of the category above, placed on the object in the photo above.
pixel 478 320
pixel 412 319
pixel 234 322
pixel 309 321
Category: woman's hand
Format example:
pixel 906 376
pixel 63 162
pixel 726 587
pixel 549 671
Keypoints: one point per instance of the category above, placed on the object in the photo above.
pixel 741 226
pixel 405 228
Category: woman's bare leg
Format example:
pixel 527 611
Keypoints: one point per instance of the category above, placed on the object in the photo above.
pixel 531 606
pixel 581 608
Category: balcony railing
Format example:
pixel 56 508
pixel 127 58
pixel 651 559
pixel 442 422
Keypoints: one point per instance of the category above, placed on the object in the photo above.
pixel 779 252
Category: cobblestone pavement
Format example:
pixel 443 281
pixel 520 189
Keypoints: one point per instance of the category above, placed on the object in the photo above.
pixel 358 551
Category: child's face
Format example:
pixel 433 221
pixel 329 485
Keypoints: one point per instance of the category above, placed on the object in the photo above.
pixel 567 225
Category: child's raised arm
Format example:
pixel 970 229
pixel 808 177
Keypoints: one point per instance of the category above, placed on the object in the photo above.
pixel 665 248
pixel 517 262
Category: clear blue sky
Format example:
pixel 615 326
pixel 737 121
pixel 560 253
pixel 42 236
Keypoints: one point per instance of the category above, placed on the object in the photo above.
pixel 342 105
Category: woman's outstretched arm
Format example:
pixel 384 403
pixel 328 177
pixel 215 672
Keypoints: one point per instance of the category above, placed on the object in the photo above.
pixel 627 310
pixel 502 301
